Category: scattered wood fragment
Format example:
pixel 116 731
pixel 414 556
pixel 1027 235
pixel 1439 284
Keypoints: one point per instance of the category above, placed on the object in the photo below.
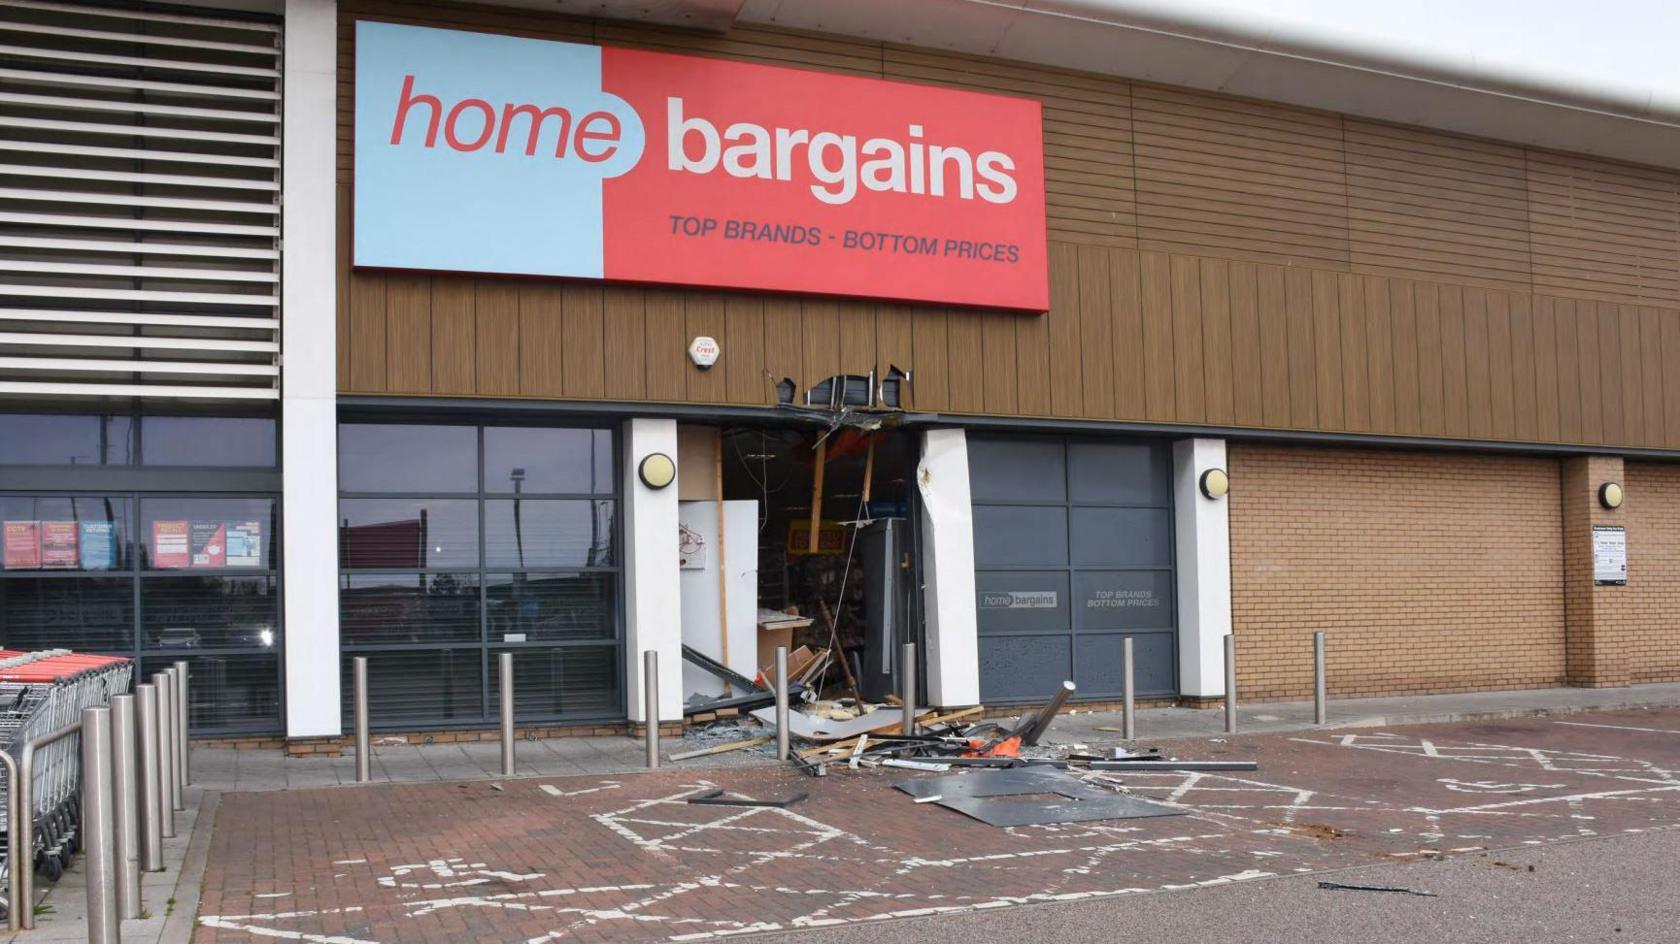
pixel 723 748
pixel 891 727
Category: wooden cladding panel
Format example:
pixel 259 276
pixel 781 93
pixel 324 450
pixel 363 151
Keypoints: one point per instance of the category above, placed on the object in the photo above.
pixel 1087 136
pixel 1148 336
pixel 1436 206
pixel 1214 261
pixel 1604 230
pixel 1219 176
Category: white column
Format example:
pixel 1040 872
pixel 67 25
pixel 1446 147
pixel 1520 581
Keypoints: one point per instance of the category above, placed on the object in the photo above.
pixel 953 646
pixel 308 395
pixel 652 579
pixel 1203 536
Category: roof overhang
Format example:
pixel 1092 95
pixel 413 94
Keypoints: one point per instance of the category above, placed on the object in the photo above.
pixel 1446 75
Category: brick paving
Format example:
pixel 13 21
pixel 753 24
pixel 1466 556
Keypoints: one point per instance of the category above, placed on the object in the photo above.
pixel 593 858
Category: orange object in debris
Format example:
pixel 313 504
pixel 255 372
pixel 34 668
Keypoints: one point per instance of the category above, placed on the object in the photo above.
pixel 1008 747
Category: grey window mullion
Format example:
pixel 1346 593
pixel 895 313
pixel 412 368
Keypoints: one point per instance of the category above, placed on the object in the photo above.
pixel 483 588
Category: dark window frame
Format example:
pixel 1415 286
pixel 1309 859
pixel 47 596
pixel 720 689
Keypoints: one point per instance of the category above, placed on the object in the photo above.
pixel 137 441
pixel 483 570
pixel 137 573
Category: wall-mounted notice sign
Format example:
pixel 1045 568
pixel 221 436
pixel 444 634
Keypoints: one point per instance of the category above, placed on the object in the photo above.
pixel 22 544
pixel 1609 554
pixel 170 544
pixel 485 153
pixel 98 541
pixel 59 545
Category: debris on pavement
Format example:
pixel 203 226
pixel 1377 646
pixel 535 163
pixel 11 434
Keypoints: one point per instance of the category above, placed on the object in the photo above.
pixel 723 748
pixel 1343 886
pixel 994 771
pixel 718 798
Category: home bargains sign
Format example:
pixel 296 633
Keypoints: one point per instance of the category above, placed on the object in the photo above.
pixel 484 153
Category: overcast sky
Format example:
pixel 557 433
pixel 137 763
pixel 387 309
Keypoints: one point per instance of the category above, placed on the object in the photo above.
pixel 1627 45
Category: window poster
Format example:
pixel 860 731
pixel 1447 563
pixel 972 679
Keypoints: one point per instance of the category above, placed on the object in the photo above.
pixel 58 545
pixel 244 544
pixel 98 541
pixel 22 541
pixel 170 544
pixel 209 544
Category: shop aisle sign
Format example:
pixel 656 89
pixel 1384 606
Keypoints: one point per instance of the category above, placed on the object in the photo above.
pixel 499 154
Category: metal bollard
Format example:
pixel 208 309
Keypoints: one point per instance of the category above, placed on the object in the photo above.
pixel 359 709
pixel 176 800
pixel 1230 684
pixel 1321 713
pixel 781 681
pixel 150 779
pixel 650 703
pixel 166 766
pixel 506 666
pixel 14 876
pixel 183 720
pixel 1128 714
pixel 125 806
pixel 98 839
pixel 907 686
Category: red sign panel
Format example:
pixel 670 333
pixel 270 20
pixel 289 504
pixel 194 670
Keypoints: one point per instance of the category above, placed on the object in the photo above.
pixel 484 153
pixel 801 181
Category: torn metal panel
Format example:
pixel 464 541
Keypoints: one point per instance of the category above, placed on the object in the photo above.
pixel 1018 811
pixel 812 728
pixel 1011 782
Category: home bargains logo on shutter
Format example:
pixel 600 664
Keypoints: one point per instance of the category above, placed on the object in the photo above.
pixel 484 153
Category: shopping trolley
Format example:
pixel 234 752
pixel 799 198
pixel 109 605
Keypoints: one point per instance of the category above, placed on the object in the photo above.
pixel 42 692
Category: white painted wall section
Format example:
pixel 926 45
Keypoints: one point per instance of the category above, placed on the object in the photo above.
pixel 702 625
pixel 953 645
pixel 1202 528
pixel 652 598
pixel 308 380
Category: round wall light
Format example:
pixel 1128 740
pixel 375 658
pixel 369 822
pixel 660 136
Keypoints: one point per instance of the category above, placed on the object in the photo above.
pixel 1215 484
pixel 1610 495
pixel 657 470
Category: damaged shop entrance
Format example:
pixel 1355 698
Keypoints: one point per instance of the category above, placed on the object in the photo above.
pixel 817 552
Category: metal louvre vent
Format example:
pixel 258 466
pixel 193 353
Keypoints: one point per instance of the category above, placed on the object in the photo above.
pixel 139 202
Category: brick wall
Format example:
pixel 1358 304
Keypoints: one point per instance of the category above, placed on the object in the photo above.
pixel 1431 572
pixel 1600 618
pixel 1653 590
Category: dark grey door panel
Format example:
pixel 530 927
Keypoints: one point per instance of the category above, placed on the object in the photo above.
pixel 1073 553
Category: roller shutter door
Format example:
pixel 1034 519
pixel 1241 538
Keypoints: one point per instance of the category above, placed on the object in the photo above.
pixel 1073 553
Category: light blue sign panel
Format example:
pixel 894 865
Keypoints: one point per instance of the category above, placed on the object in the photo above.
pixel 440 207
pixel 97 541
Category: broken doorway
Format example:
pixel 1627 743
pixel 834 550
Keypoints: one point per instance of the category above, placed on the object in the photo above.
pixel 841 580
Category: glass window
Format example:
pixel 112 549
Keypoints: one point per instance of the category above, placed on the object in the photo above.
pixel 553 461
pixel 419 688
pixel 63 533
pixel 94 614
pixel 208 440
pixel 387 609
pixel 209 612
pixel 550 607
pixel 228 692
pixel 407 532
pixel 434 572
pixel 65 439
pixel 574 681
pixel 526 533
pixel 376 457
pixel 207 533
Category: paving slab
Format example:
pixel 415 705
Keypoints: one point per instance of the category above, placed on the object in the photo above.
pixel 626 858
